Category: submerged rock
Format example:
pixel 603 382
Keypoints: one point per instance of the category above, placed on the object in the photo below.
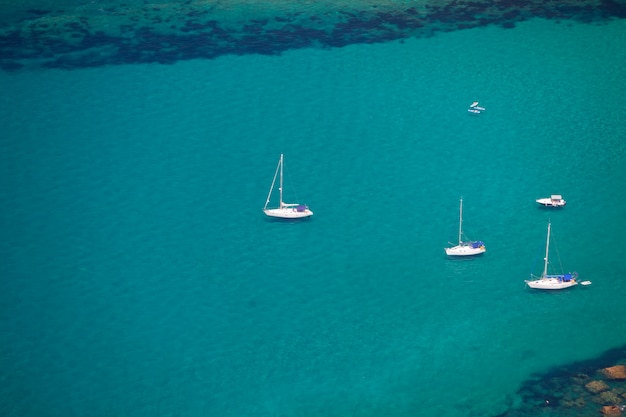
pixel 596 386
pixel 611 411
pixel 615 372
pixel 609 397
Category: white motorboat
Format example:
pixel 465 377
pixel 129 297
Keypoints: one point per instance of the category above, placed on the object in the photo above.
pixel 552 281
pixel 470 248
pixel 284 210
pixel 555 200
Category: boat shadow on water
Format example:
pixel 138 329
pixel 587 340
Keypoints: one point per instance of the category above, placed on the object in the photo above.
pixel 463 258
pixel 549 208
pixel 292 221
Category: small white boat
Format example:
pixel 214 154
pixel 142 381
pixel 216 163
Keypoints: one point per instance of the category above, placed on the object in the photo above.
pixel 553 281
pixel 465 248
pixel 585 283
pixel 554 200
pixel 284 210
pixel 475 108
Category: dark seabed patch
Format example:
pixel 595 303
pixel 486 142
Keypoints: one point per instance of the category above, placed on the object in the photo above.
pixel 170 33
pixel 583 388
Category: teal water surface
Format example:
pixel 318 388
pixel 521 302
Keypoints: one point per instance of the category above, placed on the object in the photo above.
pixel 141 278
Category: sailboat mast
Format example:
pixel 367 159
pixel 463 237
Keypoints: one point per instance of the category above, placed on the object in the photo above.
pixel 461 222
pixel 545 264
pixel 281 180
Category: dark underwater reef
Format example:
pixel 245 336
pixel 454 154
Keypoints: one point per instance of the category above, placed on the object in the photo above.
pixel 585 388
pixel 187 30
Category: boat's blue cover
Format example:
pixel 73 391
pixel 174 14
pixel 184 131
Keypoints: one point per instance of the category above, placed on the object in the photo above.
pixel 477 244
pixel 301 208
pixel 567 277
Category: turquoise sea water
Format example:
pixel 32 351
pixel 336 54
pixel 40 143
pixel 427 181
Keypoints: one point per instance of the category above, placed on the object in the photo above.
pixel 140 277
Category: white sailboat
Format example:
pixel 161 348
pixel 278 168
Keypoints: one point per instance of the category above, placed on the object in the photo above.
pixel 284 210
pixel 552 282
pixel 465 248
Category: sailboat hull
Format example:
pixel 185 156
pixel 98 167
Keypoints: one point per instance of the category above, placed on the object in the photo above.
pixel 288 213
pixel 465 250
pixel 550 284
